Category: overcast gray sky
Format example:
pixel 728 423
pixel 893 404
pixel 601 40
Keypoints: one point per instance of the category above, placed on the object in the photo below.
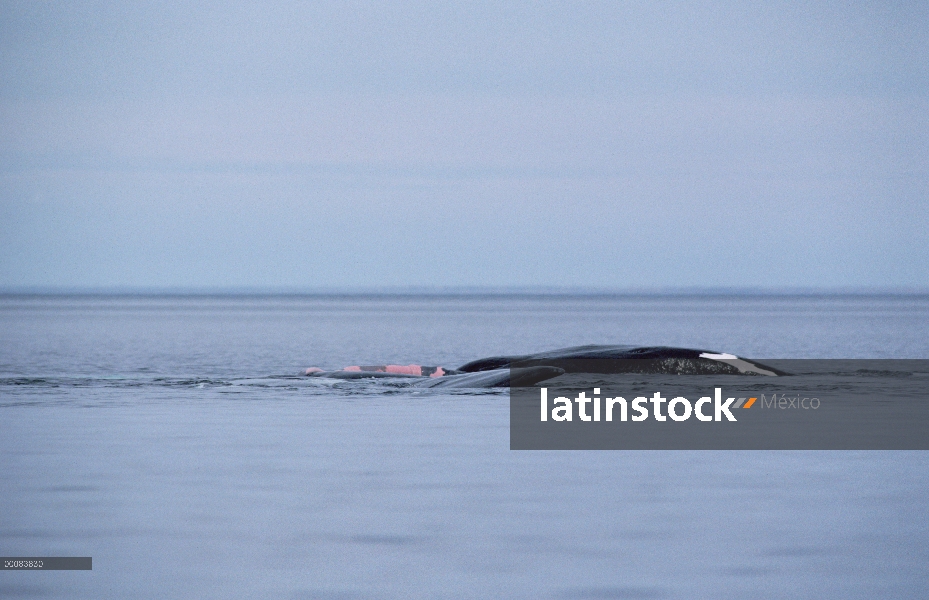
pixel 345 144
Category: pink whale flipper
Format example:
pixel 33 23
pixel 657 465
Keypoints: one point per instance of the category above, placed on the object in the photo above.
pixel 416 370
pixel 406 370
pixel 399 369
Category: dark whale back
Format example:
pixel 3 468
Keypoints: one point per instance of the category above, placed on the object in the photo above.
pixel 625 359
pixel 617 352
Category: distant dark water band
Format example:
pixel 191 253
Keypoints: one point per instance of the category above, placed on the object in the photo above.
pixel 47 563
pixel 821 405
pixel 132 382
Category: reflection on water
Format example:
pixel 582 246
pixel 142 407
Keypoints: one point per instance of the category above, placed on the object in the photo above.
pixel 171 442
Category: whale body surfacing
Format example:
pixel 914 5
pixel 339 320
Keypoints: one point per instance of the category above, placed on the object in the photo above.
pixel 529 369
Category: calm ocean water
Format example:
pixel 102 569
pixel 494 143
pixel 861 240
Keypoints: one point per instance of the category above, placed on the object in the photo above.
pixel 171 439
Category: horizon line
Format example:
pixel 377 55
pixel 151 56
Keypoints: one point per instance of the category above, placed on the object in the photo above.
pixel 462 290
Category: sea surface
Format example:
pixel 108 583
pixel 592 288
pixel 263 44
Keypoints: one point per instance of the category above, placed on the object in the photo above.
pixel 172 439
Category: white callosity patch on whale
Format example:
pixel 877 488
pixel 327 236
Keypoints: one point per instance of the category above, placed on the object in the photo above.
pixel 742 365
